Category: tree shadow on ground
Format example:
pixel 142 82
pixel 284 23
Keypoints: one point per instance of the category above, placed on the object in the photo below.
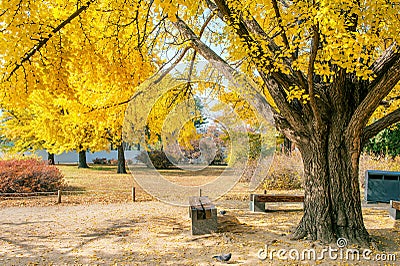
pixel 27 250
pixel 387 239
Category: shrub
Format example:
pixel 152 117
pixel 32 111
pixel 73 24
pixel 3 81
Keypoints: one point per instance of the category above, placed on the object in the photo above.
pixel 31 175
pixel 286 172
pixel 110 161
pixel 158 159
pixel 100 161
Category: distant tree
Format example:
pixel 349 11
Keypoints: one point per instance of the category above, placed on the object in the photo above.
pixel 50 158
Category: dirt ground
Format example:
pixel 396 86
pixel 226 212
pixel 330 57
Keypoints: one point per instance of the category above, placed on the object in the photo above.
pixel 154 233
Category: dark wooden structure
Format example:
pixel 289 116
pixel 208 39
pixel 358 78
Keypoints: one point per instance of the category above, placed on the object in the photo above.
pixel 203 215
pixel 257 201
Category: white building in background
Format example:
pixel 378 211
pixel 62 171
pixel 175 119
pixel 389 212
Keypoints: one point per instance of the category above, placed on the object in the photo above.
pixel 73 157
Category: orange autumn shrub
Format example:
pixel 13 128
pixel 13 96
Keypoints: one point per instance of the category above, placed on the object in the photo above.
pixel 31 175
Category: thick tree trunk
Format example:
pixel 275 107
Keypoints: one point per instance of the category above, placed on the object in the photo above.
pixel 82 160
pixel 121 160
pixel 332 205
pixel 50 158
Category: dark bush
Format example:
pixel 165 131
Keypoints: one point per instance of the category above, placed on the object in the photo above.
pixel 18 176
pixel 110 161
pixel 100 161
pixel 158 159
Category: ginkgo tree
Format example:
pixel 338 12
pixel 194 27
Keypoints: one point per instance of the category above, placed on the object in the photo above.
pixel 68 85
pixel 321 67
pixel 327 65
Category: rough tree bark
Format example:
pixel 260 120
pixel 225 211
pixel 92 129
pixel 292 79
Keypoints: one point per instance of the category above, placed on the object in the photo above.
pixel 329 130
pixel 332 205
pixel 121 160
pixel 82 160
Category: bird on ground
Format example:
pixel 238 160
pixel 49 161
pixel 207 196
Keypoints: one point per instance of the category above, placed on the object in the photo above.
pixel 223 257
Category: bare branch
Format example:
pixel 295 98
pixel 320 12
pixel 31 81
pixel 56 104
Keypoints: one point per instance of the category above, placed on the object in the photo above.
pixel 247 90
pixel 185 51
pixel 172 66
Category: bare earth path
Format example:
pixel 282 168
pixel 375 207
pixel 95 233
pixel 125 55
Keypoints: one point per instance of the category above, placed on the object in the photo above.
pixel 131 233
pixel 153 233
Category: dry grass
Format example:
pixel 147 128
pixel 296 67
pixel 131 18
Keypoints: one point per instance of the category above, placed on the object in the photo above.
pixel 286 172
pixel 101 184
pixel 97 178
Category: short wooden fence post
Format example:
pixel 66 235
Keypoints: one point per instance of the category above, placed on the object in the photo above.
pixel 133 194
pixel 59 196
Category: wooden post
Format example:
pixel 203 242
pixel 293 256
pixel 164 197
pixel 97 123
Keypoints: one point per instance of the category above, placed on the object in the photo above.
pixel 199 192
pixel 133 194
pixel 59 196
pixel 265 191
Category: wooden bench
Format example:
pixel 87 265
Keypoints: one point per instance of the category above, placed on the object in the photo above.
pixel 257 201
pixel 203 215
pixel 394 209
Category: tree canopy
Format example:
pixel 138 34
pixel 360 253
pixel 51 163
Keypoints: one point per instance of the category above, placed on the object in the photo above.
pixel 65 83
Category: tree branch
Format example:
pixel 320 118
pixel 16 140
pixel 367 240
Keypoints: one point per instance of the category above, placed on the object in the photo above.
pixel 254 28
pixel 172 66
pixel 310 74
pixel 376 127
pixel 184 51
pixel 377 90
pixel 245 88
pixel 252 25
pixel 115 104
pixel 385 61
pixel 43 41
pixel 279 18
pixel 243 32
